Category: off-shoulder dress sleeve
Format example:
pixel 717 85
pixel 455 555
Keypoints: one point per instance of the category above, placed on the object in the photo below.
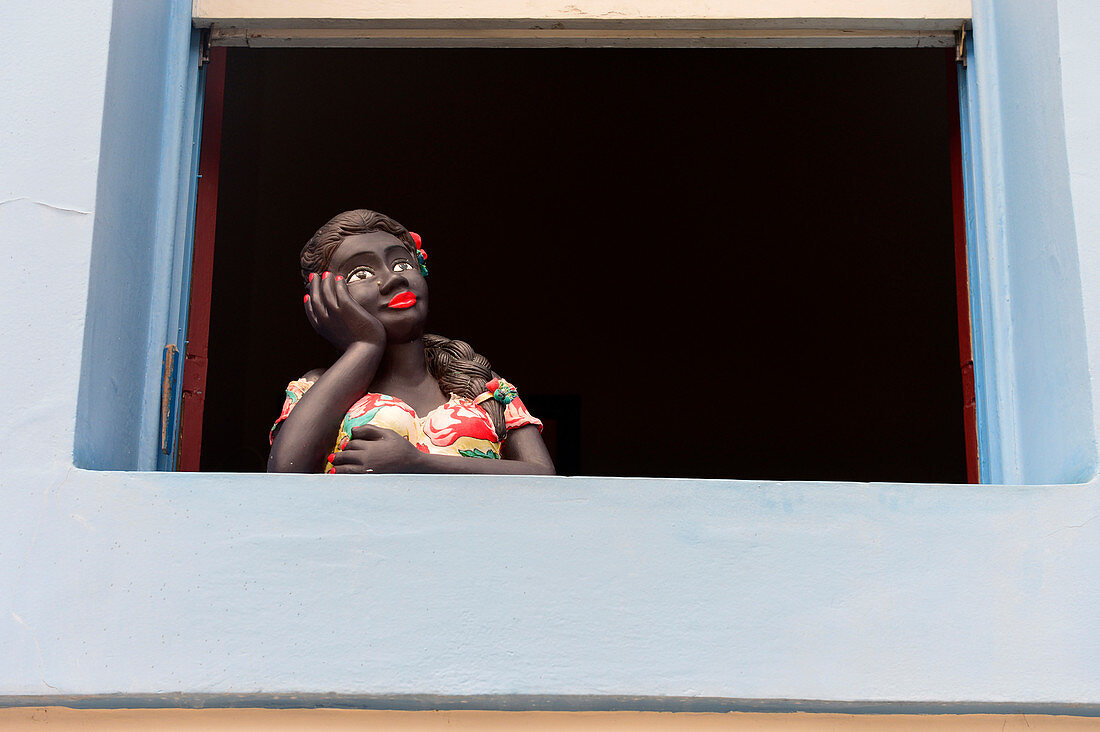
pixel 294 392
pixel 516 415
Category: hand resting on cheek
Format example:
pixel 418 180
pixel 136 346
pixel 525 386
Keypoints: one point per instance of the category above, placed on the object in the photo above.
pixel 337 317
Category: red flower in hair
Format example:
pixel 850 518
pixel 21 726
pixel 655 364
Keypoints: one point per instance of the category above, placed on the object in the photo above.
pixel 421 254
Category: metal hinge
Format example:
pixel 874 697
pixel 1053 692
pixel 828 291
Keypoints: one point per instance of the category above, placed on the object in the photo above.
pixel 960 45
pixel 170 368
pixel 204 47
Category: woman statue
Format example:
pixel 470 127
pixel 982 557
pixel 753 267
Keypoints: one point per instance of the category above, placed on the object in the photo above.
pixel 397 400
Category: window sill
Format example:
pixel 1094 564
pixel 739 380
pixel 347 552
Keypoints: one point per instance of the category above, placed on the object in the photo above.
pixel 462 585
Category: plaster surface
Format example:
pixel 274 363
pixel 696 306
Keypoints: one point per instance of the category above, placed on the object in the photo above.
pixel 356 719
pixel 149 583
pixel 1078 24
pixel 274 11
pixel 480 585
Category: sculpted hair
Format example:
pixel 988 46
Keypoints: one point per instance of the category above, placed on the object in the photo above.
pixel 318 251
pixel 461 370
pixel 453 364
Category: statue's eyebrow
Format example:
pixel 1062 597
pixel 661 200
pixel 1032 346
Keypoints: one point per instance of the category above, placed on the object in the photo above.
pixel 361 259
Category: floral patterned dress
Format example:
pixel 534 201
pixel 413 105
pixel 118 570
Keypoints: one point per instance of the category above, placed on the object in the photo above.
pixel 458 427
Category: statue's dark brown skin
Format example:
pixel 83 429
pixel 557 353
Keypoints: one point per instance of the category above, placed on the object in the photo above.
pixel 378 323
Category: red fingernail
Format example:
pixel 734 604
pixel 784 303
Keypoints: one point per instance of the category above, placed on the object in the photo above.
pixel 305 299
pixel 311 276
pixel 325 275
pixel 331 456
pixel 339 277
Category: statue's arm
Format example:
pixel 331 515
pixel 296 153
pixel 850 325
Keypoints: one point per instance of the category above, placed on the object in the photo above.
pixel 525 445
pixel 523 453
pixel 308 434
pixel 379 450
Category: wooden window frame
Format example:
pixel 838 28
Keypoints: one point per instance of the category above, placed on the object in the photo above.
pixel 726 23
pixel 653 23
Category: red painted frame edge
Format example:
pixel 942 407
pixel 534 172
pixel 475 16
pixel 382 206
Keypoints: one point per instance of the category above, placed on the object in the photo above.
pixel 962 273
pixel 193 399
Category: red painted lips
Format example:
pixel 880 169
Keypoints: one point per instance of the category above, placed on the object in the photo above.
pixel 402 300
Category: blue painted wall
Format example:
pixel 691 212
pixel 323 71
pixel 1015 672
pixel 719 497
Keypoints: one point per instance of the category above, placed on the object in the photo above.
pixel 138 582
pixel 147 128
pixel 1033 317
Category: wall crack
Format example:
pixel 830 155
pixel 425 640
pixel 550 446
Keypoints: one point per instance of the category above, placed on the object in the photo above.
pixel 54 206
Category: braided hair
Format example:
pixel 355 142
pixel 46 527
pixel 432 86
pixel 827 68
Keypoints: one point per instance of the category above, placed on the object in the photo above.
pixel 461 370
pixel 453 364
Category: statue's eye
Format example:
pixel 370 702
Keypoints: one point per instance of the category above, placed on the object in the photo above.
pixel 401 265
pixel 359 274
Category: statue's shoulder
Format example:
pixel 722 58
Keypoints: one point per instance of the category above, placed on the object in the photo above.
pixel 313 375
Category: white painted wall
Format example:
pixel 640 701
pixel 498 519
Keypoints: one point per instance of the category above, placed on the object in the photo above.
pixel 136 583
pixel 52 83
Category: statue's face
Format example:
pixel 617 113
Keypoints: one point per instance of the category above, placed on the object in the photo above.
pixel 385 279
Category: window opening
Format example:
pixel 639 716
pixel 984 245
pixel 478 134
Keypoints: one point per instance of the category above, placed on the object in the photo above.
pixel 693 262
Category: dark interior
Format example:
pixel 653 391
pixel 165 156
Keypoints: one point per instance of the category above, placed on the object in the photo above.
pixel 707 263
